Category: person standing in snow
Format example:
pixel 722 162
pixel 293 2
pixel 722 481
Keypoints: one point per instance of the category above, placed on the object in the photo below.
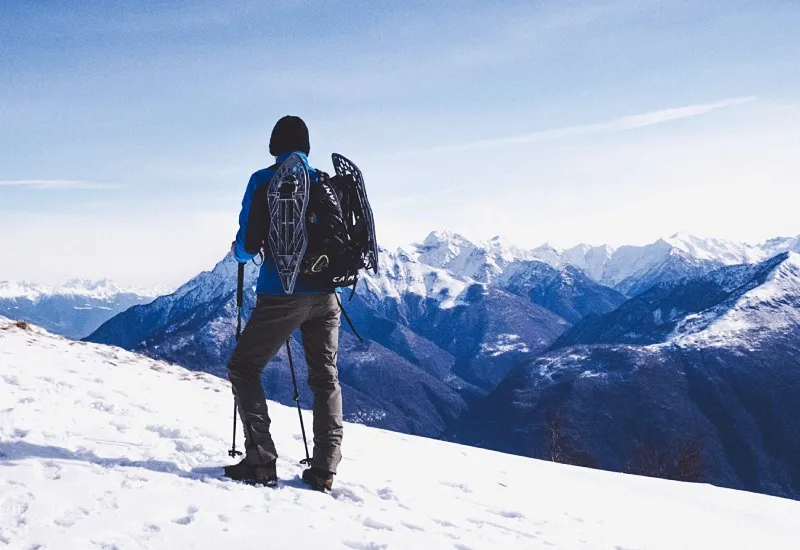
pixel 315 311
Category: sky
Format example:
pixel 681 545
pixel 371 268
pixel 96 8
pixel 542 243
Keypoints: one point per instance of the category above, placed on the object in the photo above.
pixel 128 130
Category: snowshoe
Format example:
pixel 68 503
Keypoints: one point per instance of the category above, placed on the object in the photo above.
pixel 288 200
pixel 345 168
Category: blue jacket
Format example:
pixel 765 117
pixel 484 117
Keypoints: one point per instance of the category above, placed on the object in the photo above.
pixel 268 281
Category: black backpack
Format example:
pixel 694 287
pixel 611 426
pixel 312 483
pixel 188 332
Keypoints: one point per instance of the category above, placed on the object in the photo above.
pixel 339 235
pixel 338 240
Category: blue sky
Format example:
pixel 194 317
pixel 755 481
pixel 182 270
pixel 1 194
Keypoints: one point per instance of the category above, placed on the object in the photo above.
pixel 129 129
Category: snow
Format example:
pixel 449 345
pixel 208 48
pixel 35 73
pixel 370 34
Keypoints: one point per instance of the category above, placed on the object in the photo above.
pixel 505 343
pixel 719 250
pixel 99 290
pixel 591 260
pixel 14 289
pixel 464 259
pixel 752 313
pixel 399 273
pixel 102 448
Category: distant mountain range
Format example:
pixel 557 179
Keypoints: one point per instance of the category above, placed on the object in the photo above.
pixel 75 309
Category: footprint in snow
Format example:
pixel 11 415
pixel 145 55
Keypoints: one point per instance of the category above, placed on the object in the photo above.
pixel 510 514
pixel 188 518
pixel 374 524
pixel 70 517
pixel 483 523
pixel 19 433
pixel 10 380
pixel 444 523
pixel 165 431
pixel 387 494
pixel 121 427
pixel 107 407
pixel 460 486
pixel 52 471
pixel 342 493
pixel 358 545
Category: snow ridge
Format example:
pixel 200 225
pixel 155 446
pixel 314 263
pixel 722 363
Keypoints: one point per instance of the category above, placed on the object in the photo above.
pixel 485 261
pixel 102 289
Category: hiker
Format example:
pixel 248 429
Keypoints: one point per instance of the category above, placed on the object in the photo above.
pixel 314 309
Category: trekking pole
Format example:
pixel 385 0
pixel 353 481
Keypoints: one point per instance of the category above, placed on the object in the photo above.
pixel 307 460
pixel 233 453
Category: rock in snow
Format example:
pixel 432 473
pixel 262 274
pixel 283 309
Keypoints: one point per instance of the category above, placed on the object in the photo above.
pixel 104 448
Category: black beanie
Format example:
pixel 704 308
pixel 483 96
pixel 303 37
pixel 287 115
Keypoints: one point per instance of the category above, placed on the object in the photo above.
pixel 290 134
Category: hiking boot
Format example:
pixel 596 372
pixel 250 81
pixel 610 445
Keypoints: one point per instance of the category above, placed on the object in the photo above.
pixel 318 479
pixel 265 474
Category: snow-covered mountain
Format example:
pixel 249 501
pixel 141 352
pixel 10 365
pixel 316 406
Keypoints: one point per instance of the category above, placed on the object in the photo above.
pixel 484 328
pixel 712 359
pixel 116 450
pixel 74 309
pixel 628 269
pixel 449 315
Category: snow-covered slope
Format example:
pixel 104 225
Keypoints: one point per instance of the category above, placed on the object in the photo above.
pixel 98 451
pixel 755 309
pixel 733 305
pixel 74 309
pixel 401 273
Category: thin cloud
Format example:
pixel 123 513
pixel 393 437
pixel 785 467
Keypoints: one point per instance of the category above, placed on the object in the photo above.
pixel 622 124
pixel 57 184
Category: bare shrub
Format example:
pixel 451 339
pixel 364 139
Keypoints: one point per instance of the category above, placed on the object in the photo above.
pixel 682 461
pixel 561 446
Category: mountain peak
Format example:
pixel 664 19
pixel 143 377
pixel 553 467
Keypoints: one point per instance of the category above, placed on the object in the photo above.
pixel 445 237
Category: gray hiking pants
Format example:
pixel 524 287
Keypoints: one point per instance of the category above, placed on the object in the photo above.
pixel 272 321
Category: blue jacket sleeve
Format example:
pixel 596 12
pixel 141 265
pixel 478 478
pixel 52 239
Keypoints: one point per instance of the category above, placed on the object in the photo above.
pixel 238 251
